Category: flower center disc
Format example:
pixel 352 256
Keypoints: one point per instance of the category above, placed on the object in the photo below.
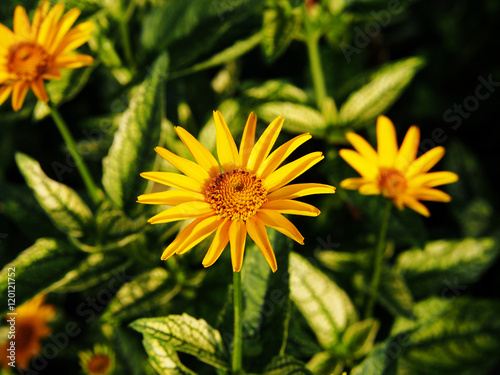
pixel 392 183
pixel 28 61
pixel 99 364
pixel 236 195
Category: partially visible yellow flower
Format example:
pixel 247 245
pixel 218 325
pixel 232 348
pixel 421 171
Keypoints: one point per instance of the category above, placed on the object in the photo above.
pixel 244 194
pixel 99 361
pixel 31 325
pixel 396 173
pixel 35 52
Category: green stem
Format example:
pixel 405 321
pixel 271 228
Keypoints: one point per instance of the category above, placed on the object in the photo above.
pixel 92 189
pixel 238 323
pixel 378 261
pixel 127 45
pixel 316 70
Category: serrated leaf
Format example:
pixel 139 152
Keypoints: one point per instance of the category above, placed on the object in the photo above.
pixel 274 90
pixel 326 307
pixel 359 337
pixel 139 297
pixel 186 334
pixel 447 267
pixel 38 268
pixel 279 25
pixel 384 88
pixel 164 358
pixel 298 118
pixel 61 203
pixel 132 148
pixel 286 365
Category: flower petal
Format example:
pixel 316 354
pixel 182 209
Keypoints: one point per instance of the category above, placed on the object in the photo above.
pixel 430 195
pixel 425 162
pixel 48 26
pixel 415 205
pixel 264 145
pixel 409 149
pixel 64 26
pixel 175 180
pixel 72 61
pixel 433 179
pixel 387 142
pixel 247 140
pixel 280 223
pixel 353 183
pixel 369 189
pixel 286 206
pixel 38 88
pixel 362 146
pixel 202 156
pixel 226 148
pixel 364 167
pixel 19 91
pixel 218 245
pixel 8 37
pixel 22 25
pixel 40 15
pixel 290 171
pixel 5 92
pixel 186 166
pixel 300 190
pixel 171 197
pixel 77 36
pixel 188 210
pixel 280 154
pixel 237 237
pixel 257 232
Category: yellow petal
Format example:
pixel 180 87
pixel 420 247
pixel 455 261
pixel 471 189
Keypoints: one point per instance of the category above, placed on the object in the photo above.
pixel 362 146
pixel 237 238
pixel 226 148
pixel 433 179
pixel 22 25
pixel 202 156
pixel 430 195
pixel 19 91
pixel 175 180
pixel 48 26
pixel 218 245
pixel 300 190
pixel 191 236
pixel 280 223
pixel 264 145
pixel 290 171
pixel 280 154
pixel 387 142
pixel 171 197
pixel 353 183
pixel 409 148
pixel 40 15
pixel 247 140
pixel 72 61
pixel 257 232
pixel 188 210
pixel 64 26
pixel 38 88
pixel 8 37
pixel 416 205
pixel 186 166
pixel 286 206
pixel 369 189
pixel 364 167
pixel 77 36
pixel 425 162
pixel 5 92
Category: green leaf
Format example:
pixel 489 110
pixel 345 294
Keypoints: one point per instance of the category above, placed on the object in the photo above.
pixel 298 118
pixel 325 363
pixel 384 88
pixel 286 365
pixel 326 307
pixel 274 90
pixel 38 268
pixel 380 361
pixel 447 267
pixel 164 358
pixel 186 334
pixel 141 296
pixel 279 25
pixel 132 148
pixel 130 352
pixel 63 205
pixel 394 293
pixel 359 337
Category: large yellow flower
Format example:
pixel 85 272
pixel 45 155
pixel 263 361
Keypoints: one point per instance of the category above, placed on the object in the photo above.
pixel 244 194
pixel 397 174
pixel 35 52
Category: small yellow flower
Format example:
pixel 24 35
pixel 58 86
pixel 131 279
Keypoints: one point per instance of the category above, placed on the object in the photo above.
pixel 244 194
pixel 31 325
pixel 100 361
pixel 35 52
pixel 397 174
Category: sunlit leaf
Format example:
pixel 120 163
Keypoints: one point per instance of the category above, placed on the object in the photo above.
pixel 279 25
pixel 274 90
pixel 359 337
pixel 286 365
pixel 164 358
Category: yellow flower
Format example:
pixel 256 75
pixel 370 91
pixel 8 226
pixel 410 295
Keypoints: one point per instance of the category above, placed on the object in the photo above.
pixel 244 194
pixel 30 327
pixel 100 361
pixel 35 52
pixel 397 174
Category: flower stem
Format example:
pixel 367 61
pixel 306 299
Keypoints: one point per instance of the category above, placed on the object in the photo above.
pixel 238 323
pixel 92 189
pixel 127 45
pixel 316 70
pixel 378 260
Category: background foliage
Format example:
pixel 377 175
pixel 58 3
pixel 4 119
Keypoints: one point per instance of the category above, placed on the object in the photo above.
pixel 164 63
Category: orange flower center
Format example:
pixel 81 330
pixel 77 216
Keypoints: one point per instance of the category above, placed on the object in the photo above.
pixel 392 183
pixel 236 195
pixel 27 61
pixel 98 364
